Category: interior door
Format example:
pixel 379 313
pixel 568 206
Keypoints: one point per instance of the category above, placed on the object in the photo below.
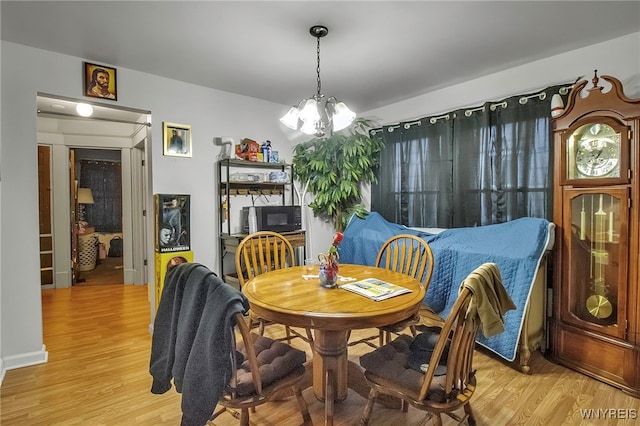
pixel 73 209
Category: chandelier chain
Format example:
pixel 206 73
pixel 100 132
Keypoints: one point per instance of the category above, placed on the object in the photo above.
pixel 318 67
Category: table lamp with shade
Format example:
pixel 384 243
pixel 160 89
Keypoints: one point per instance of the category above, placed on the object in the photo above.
pixel 87 241
pixel 84 197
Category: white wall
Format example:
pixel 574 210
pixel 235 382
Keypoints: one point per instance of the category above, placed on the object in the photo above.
pixel 2 367
pixel 27 71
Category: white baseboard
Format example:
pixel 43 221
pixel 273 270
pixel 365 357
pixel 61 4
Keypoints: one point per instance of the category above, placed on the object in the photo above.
pixel 25 360
pixel 2 371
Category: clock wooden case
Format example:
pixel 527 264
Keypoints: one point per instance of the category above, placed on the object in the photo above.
pixel 595 324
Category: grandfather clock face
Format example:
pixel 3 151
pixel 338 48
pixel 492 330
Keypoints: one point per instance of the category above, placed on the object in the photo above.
pixel 593 152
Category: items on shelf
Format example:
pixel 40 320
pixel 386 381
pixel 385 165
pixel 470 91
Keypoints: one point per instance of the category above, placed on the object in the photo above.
pixel 248 149
pixel 274 177
pixel 266 151
pixel 246 177
pixel 279 177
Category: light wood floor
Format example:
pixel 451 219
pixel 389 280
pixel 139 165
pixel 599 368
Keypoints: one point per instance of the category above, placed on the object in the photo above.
pixel 97 374
pixel 108 271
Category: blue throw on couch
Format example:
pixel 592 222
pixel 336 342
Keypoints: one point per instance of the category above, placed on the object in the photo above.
pixel 517 247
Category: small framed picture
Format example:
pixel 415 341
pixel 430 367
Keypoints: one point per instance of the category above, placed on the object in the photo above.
pixel 177 139
pixel 100 81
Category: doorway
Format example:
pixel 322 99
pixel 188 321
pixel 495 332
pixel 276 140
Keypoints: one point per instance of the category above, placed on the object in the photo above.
pixel 99 236
pixel 119 132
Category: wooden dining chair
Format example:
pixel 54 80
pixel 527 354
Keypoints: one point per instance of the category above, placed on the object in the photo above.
pixel 409 255
pixel 434 371
pixel 436 391
pixel 262 370
pixel 259 253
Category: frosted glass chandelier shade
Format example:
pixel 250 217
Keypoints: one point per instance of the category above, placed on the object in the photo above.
pixel 290 119
pixel 343 117
pixel 309 112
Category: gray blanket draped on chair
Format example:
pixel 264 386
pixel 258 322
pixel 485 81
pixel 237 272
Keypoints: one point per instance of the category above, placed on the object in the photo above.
pixel 192 339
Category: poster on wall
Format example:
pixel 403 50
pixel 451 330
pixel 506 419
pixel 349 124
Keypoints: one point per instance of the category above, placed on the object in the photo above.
pixel 100 81
pixel 172 213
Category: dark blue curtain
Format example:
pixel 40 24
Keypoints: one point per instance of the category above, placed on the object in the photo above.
pixel 470 167
pixel 414 186
pixel 104 178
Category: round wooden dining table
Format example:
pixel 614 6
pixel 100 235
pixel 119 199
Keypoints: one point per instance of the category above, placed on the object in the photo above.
pixel 284 296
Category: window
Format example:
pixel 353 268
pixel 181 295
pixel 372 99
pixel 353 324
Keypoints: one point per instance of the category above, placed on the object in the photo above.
pixel 469 167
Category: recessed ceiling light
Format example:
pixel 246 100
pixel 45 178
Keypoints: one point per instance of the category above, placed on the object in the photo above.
pixel 85 110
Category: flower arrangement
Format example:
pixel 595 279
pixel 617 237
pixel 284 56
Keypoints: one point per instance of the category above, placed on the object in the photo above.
pixel 329 263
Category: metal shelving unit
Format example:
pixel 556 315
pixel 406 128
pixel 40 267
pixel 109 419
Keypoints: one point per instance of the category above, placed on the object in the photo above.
pixel 229 189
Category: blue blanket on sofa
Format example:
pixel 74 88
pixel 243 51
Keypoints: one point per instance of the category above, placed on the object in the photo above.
pixel 517 247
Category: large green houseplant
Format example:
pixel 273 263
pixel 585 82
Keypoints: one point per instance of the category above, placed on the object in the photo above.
pixel 334 167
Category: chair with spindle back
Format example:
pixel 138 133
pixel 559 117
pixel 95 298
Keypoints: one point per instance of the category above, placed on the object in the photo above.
pixel 262 252
pixel 434 371
pixel 412 256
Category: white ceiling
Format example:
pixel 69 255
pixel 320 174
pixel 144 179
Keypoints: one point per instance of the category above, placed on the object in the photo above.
pixel 376 52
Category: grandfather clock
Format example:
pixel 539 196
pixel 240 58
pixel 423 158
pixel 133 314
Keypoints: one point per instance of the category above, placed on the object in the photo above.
pixel 595 324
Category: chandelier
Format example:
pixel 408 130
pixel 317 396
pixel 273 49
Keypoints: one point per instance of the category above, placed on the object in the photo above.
pixel 313 115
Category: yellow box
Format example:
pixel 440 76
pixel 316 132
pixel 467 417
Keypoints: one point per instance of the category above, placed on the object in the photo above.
pixel 162 262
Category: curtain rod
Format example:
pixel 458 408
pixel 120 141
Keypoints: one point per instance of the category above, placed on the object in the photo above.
pixel 469 111
pixel 407 125
pixel 113 120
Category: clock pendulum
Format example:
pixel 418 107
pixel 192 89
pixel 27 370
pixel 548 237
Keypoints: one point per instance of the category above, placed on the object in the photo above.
pixel 610 233
pixel 597 304
pixel 583 222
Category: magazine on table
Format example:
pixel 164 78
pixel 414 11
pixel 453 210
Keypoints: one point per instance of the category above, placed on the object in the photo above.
pixel 375 289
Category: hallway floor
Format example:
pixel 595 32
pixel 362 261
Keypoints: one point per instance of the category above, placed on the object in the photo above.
pixel 109 270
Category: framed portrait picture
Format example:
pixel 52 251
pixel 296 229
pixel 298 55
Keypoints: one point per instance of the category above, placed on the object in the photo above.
pixel 177 139
pixel 100 81
pixel 172 222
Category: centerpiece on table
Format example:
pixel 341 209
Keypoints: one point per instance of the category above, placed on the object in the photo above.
pixel 329 263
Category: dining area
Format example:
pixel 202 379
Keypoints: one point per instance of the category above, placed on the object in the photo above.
pixel 206 330
pixel 117 392
pixel 328 311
